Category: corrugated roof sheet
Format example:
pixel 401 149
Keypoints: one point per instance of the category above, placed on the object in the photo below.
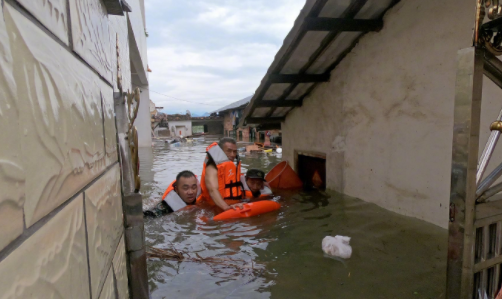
pixel 323 34
pixel 234 105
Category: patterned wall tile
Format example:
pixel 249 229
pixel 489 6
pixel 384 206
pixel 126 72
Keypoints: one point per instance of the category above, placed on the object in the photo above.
pixel 60 120
pixel 109 123
pixel 91 36
pixel 103 207
pixel 52 263
pixel 12 175
pixel 118 27
pixel 120 268
pixel 52 14
pixel 108 291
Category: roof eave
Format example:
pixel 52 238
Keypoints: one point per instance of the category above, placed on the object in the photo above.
pixel 309 20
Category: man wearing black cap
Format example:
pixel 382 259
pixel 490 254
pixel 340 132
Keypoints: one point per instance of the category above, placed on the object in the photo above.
pixel 254 184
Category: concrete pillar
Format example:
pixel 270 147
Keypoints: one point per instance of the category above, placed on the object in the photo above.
pixel 143 120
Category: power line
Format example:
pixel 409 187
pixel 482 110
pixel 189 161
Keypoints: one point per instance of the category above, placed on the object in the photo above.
pixel 198 103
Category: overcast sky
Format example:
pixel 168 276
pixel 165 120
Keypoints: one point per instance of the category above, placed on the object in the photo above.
pixel 212 52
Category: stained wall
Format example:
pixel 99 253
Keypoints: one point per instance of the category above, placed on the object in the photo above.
pixel 61 213
pixel 385 118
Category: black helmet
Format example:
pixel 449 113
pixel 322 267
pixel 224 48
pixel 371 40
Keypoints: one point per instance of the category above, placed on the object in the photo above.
pixel 255 174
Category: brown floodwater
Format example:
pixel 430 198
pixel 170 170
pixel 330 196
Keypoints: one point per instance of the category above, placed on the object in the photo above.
pixel 279 254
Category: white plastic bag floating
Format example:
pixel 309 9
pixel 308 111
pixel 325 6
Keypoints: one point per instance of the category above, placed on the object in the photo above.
pixel 337 246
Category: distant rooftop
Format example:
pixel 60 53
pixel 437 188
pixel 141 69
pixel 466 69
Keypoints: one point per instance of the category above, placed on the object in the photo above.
pixel 234 105
pixel 178 117
pixel 181 117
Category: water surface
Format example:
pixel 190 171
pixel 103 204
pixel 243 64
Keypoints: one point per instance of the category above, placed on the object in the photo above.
pixel 393 256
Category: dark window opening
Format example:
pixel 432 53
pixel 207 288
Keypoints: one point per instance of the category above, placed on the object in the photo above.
pixel 197 129
pixel 251 134
pixel 312 172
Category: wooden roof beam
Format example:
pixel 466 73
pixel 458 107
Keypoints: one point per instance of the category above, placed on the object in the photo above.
pixel 264 120
pixel 349 13
pixel 302 78
pixel 266 127
pixel 341 24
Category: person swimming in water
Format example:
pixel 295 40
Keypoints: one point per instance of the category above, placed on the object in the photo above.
pixel 181 193
pixel 254 185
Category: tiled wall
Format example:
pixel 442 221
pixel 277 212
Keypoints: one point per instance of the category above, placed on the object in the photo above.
pixel 61 214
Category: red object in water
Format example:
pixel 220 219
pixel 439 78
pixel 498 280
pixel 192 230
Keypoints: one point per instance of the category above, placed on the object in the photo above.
pixel 499 295
pixel 282 176
pixel 249 210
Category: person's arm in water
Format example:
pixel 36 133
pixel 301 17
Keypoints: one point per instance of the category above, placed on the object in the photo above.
pixel 211 180
pixel 160 209
pixel 212 187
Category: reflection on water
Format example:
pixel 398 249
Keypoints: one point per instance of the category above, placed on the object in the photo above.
pixel 393 256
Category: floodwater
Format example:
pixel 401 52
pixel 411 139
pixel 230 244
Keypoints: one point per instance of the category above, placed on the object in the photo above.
pixel 279 255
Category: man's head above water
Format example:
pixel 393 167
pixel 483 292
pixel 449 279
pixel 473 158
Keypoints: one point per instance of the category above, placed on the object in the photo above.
pixel 255 179
pixel 186 186
pixel 229 147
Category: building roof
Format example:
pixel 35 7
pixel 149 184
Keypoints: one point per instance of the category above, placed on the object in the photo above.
pixel 182 117
pixel 323 34
pixel 207 118
pixel 178 117
pixel 239 104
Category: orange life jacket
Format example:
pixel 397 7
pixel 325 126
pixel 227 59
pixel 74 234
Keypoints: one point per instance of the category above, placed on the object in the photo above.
pixel 265 192
pixel 172 198
pixel 229 184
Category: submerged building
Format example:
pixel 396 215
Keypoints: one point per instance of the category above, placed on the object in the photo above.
pixel 373 98
pixel 398 103
pixel 231 114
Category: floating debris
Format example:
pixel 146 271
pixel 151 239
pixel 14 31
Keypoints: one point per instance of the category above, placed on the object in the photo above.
pixel 183 256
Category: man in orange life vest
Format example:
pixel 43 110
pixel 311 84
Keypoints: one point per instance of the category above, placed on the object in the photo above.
pixel 180 193
pixel 221 178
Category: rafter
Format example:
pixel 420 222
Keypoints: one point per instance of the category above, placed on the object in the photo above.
pixel 279 104
pixel 264 120
pixel 341 24
pixel 303 78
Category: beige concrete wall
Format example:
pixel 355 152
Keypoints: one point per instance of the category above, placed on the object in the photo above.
pixel 385 118
pixel 185 126
pixel 143 120
pixel 137 22
pixel 61 221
